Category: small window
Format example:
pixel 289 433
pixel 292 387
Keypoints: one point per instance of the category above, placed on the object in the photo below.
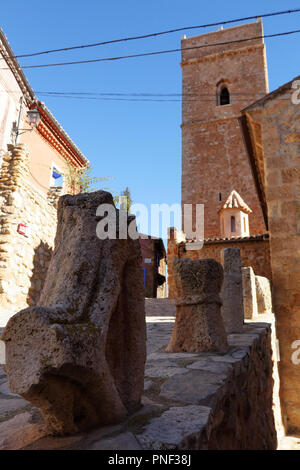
pixel 245 227
pixel 232 223
pixel 224 96
pixel 220 196
pixel 57 179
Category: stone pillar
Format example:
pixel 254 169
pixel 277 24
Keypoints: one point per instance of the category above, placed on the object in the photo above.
pixel 232 291
pixel 263 294
pixel 79 355
pixel 249 293
pixel 198 325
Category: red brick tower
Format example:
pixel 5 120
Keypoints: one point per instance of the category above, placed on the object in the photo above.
pixel 217 82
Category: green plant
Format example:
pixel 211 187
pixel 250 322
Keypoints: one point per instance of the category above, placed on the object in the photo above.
pixel 124 199
pixel 79 180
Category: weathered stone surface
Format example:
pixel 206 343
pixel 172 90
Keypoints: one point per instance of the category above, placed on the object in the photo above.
pixel 19 431
pixel 160 307
pixel 173 428
pixel 9 406
pixel 196 387
pixel 232 291
pixel 79 355
pixel 163 369
pixel 249 293
pixel 263 295
pixel 124 441
pixel 4 389
pixel 210 366
pixel 198 325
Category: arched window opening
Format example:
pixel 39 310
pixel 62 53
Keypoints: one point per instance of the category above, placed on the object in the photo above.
pixel 232 223
pixel 224 96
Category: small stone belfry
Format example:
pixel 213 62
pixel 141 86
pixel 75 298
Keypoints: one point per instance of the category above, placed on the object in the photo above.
pixel 234 217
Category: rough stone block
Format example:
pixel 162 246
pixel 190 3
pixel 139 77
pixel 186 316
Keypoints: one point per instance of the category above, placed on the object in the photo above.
pixel 198 325
pixel 249 293
pixel 232 291
pixel 263 295
pixel 79 355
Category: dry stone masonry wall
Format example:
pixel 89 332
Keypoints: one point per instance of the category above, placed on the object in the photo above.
pixel 27 230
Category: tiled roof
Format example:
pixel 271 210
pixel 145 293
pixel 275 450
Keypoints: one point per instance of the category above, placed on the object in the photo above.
pixel 252 238
pixel 235 201
pixel 28 92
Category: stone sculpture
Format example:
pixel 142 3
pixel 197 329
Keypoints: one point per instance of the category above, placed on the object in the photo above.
pixel 79 355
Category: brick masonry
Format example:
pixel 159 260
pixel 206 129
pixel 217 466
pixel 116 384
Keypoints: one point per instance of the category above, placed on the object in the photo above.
pixel 214 160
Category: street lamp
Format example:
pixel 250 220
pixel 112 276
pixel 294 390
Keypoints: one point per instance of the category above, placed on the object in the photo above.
pixel 34 119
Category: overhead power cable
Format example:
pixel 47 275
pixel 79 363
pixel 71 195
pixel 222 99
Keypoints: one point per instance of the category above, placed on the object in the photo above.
pixel 90 93
pixel 160 33
pixel 145 54
pixel 117 96
pixel 183 99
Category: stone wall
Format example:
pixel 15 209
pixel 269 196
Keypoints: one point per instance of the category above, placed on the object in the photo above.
pixel 214 161
pixel 211 401
pixel 23 259
pixel 254 252
pixel 191 401
pixel 275 127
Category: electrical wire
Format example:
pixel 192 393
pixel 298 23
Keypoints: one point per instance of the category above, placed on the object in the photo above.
pixel 153 99
pixel 160 33
pixel 146 54
pixel 144 97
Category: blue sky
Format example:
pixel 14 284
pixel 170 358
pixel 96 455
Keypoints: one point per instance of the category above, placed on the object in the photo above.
pixel 137 143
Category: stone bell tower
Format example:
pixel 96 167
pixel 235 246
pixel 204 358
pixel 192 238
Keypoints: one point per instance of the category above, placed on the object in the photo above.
pixel 222 72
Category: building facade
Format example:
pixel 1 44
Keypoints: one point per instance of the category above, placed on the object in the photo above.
pixel 154 266
pixel 34 166
pixel 271 128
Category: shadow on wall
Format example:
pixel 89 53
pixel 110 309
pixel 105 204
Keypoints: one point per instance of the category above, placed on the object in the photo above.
pixel 41 261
